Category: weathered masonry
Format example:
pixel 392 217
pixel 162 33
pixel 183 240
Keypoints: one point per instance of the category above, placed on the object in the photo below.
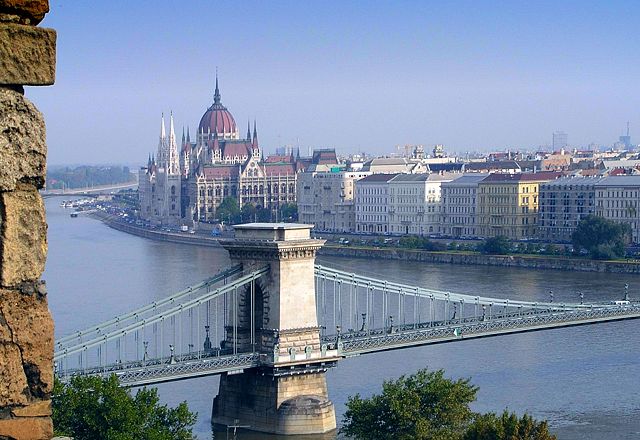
pixel 27 57
pixel 287 394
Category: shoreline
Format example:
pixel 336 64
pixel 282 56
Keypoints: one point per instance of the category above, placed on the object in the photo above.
pixel 438 257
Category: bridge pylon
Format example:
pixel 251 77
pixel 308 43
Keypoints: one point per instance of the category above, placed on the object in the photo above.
pixel 276 316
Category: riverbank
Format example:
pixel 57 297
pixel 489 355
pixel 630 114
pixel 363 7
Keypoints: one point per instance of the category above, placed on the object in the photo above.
pixel 469 258
pixel 154 234
pixel 443 257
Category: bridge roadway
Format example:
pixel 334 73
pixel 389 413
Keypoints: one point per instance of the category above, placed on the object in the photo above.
pixel 202 363
pixel 94 190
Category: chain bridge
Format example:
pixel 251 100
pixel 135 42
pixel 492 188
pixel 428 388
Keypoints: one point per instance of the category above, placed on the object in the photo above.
pixel 273 323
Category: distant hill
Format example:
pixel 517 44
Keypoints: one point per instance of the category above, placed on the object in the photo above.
pixel 86 176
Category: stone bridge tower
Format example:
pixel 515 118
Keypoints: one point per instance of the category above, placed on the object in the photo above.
pixel 287 394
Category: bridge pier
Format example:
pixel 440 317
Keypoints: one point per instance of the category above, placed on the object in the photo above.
pixel 276 316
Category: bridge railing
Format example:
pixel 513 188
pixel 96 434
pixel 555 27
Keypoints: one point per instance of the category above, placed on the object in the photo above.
pixel 178 328
pixel 148 309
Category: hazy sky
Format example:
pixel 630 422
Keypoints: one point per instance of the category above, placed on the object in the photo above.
pixel 473 75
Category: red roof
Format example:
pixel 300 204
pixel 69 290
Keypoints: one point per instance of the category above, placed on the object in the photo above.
pixel 221 171
pixel 278 159
pixel 279 168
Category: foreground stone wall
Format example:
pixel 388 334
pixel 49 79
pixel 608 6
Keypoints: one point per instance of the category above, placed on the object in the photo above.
pixel 27 57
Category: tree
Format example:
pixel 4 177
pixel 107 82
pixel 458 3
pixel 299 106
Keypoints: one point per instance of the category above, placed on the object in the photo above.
pixel 425 405
pixel 94 408
pixel 289 212
pixel 601 238
pixel 507 427
pixel 496 245
pixel 248 213
pixel 228 211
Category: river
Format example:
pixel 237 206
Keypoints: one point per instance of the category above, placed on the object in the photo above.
pixel 584 380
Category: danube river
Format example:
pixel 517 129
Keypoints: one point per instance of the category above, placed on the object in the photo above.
pixel 584 380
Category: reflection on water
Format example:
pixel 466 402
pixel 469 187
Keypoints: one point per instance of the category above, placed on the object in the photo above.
pixel 583 379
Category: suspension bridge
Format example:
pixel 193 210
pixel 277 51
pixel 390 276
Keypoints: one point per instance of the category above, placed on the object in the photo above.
pixel 274 322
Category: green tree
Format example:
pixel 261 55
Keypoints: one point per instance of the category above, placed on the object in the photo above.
pixel 507 427
pixel 289 212
pixel 425 405
pixel 499 245
pixel 248 213
pixel 91 408
pixel 601 238
pixel 229 211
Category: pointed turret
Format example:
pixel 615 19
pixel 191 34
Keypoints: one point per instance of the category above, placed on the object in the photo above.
pixel 163 150
pixel 183 138
pixel 188 138
pixel 255 135
pixel 248 130
pixel 216 93
pixel 173 166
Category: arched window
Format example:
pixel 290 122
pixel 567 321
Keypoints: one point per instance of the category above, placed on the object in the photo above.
pixel 173 190
pixel 291 188
pixel 275 188
pixel 255 189
pixel 284 188
pixel 217 191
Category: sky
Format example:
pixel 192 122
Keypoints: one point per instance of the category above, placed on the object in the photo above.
pixel 357 76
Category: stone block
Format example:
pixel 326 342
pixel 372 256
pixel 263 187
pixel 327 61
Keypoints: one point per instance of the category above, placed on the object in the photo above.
pixel 32 11
pixel 23 151
pixel 31 327
pixel 24 237
pixel 13 382
pixel 41 408
pixel 26 428
pixel 27 55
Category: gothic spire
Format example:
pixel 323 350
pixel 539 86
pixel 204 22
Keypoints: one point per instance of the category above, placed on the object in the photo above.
pixel 248 130
pixel 216 93
pixel 255 135
pixel 163 134
pixel 188 138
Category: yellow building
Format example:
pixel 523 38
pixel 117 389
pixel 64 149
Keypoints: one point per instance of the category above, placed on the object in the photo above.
pixel 508 204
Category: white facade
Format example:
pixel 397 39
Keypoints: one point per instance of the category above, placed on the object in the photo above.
pixel 459 205
pixel 325 197
pixel 372 204
pixel 414 203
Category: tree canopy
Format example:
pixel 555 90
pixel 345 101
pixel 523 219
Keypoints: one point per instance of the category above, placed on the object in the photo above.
pixel 499 245
pixel 425 405
pixel 507 427
pixel 601 238
pixel 91 408
pixel 228 210
pixel 428 406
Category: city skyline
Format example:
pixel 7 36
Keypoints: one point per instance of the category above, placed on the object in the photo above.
pixel 354 77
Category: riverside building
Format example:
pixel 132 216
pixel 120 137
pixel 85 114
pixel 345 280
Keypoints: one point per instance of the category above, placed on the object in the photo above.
pixel 459 199
pixel 508 204
pixel 563 203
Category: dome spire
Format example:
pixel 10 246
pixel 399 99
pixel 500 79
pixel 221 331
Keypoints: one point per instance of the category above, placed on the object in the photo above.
pixel 216 93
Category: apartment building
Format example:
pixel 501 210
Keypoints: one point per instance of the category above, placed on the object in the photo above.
pixel 508 204
pixel 459 199
pixel 372 203
pixel 617 199
pixel 325 197
pixel 563 203
pixel 414 203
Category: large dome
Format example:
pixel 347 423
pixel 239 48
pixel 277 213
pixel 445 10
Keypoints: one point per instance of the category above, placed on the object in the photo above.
pixel 217 118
